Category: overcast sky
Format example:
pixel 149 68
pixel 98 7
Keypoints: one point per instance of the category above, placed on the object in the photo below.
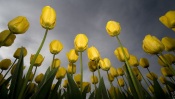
pixel 136 17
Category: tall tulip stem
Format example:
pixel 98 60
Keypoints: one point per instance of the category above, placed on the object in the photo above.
pixel 81 68
pixel 52 62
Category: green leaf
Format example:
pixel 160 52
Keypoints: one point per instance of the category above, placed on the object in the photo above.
pixel 92 95
pixel 16 82
pixel 75 92
pixel 85 91
pixel 44 90
pixel 4 90
pixel 53 94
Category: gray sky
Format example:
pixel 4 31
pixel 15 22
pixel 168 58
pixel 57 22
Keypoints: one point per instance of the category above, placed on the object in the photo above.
pixel 136 17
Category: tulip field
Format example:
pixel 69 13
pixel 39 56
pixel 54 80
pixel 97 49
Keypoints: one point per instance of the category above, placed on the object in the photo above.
pixel 131 82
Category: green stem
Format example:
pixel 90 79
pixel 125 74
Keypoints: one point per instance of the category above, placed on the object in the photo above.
pixel 118 84
pixel 72 70
pixel 94 83
pixel 81 68
pixel 125 82
pixel 52 66
pixel 133 78
pixel 143 77
pixel 99 75
pixel 2 71
pixel 34 73
pixel 2 43
pixel 108 79
pixel 31 66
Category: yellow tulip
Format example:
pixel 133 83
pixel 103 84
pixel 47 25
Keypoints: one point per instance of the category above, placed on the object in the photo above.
pixel 139 77
pixel 121 82
pixel 92 66
pixel 151 76
pixel 31 76
pixel 38 60
pixel 113 71
pixel 71 69
pixel 94 79
pixel 17 52
pixel 113 28
pixel 72 56
pixel 135 71
pixel 61 72
pixel 81 42
pixel 3 35
pixel 162 79
pixel 172 57
pixel 84 86
pixel 5 63
pixel 119 54
pixel 39 78
pixel 31 88
pixel 110 77
pixel 144 62
pixel 56 63
pixel 168 60
pixel 168 19
pixel 120 71
pixel 151 89
pixel 18 25
pixel 93 54
pixel 166 72
pixel 152 45
pixel 10 38
pixel 105 64
pixel 55 47
pixel 77 78
pixel 53 86
pixel 65 83
pixel 169 43
pixel 48 18
pixel 133 61
pixel 112 91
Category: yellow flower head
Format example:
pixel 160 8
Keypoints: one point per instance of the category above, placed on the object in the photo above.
pixel 92 66
pixel 113 28
pixel 105 64
pixel 169 43
pixel 38 60
pixel 39 78
pixel 65 83
pixel 55 46
pixel 121 82
pixel 144 62
pixel 135 71
pixel 77 79
pixel 18 25
pixel 162 79
pixel 110 77
pixel 61 73
pixel 56 63
pixel 31 88
pixel 10 38
pixel 94 79
pixel 81 42
pixel 120 71
pixel 119 54
pixel 151 89
pixel 71 69
pixel 152 45
pixel 48 18
pixel 113 71
pixel 17 52
pixel 72 56
pixel 84 86
pixel 166 72
pixel 168 60
pixel 5 63
pixel 139 77
pixel 151 76
pixel 133 61
pixel 31 76
pixel 93 54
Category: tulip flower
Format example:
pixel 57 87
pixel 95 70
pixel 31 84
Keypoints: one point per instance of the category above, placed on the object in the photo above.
pixel 17 52
pixel 144 62
pixel 93 54
pixel 48 18
pixel 120 71
pixel 151 76
pixel 135 71
pixel 151 89
pixel 169 43
pixel 61 72
pixel 71 69
pixel 81 42
pixel 168 60
pixel 56 63
pixel 110 77
pixel 65 83
pixel 39 78
pixel 31 76
pixel 84 86
pixel 152 45
pixel 18 25
pixel 113 28
pixel 38 60
pixel 166 72
pixel 53 86
pixel 105 64
pixel 113 71
pixel 121 82
pixel 77 78
pixel 55 47
pixel 162 79
pixel 139 77
pixel 168 19
pixel 133 61
pixel 72 56
pixel 119 54
pixel 5 63
pixel 7 38
pixel 92 66
pixel 172 57
pixel 94 79
pixel 31 88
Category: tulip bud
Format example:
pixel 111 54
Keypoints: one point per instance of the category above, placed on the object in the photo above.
pixel 18 51
pixel 61 73
pixel 92 66
pixel 71 69
pixel 77 78
pixel 121 82
pixel 81 42
pixel 48 18
pixel 169 43
pixel 151 89
pixel 7 38
pixel 166 72
pixel 151 76
pixel 105 64
pixel 113 28
pixel 110 77
pixel 139 77
pixel 112 91
pixel 94 79
pixel 144 62
pixel 31 76
pixel 84 86
pixel 56 63
pixel 93 54
pixel 38 60
pixel 168 60
pixel 39 78
pixel 168 19
pixel 5 63
pixel 18 25
pixel 162 79
pixel 31 88
pixel 120 71
pixel 172 57
pixel 152 45
pixel 133 61
pixel 119 54
pixel 55 47
pixel 53 86
pixel 113 72
pixel 135 71
pixel 65 83
pixel 72 56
